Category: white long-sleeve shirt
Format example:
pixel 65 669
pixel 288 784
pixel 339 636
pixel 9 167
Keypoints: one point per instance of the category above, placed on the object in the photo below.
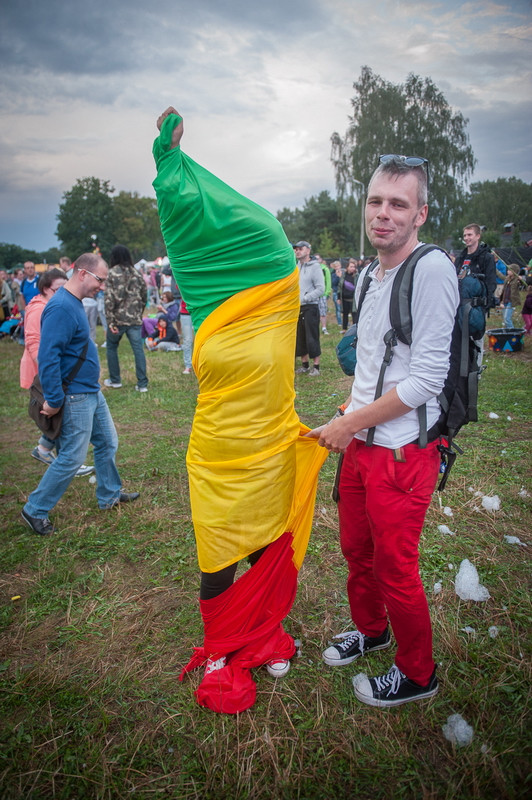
pixel 418 372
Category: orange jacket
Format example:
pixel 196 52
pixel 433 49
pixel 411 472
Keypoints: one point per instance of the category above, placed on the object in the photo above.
pixel 32 337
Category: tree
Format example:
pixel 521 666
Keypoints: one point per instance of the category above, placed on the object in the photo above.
pixel 321 215
pixel 137 225
pixel 413 118
pixel 292 223
pixel 495 203
pixel 11 255
pixel 491 238
pixel 86 211
pixel 326 246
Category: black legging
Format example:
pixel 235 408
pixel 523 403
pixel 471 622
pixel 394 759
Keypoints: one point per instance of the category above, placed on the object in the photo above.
pixel 214 583
pixel 347 308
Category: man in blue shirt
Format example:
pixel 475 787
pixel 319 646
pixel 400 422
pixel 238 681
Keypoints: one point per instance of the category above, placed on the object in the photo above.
pixel 86 417
pixel 500 271
pixel 29 287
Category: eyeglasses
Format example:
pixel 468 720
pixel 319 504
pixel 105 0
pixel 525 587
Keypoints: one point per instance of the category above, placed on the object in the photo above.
pixel 100 280
pixel 408 161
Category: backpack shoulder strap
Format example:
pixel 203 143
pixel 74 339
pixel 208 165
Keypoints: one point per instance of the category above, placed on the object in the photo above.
pixel 363 289
pixel 401 299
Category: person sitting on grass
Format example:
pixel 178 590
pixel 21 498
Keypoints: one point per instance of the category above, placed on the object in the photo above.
pixel 168 307
pixel 165 337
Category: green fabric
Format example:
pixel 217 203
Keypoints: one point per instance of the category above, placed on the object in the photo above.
pixel 327 278
pixel 218 242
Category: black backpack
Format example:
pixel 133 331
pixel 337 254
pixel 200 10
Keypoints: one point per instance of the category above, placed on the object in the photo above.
pixel 458 399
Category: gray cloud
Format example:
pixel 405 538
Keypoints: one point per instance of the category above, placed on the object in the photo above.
pixel 502 141
pixel 102 37
pixel 60 51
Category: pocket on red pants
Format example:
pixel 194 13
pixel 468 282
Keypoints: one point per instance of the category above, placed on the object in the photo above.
pixel 418 472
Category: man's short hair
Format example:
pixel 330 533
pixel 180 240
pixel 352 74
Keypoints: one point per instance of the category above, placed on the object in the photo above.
pixel 88 261
pixel 396 168
pixel 473 227
pixel 48 277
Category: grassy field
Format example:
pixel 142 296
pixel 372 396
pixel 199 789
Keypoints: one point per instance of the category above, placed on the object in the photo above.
pixel 98 620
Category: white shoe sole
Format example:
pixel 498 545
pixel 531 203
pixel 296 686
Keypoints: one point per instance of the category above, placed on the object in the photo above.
pixel 369 700
pixel 278 671
pixel 83 471
pixel 341 662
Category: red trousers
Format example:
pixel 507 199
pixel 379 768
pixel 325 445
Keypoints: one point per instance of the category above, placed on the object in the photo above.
pixel 382 507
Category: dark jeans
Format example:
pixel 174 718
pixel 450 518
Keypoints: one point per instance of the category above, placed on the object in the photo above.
pixel 135 340
pixel 347 308
pixel 308 331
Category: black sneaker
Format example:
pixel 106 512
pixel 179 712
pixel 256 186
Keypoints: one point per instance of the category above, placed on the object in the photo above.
pixel 392 689
pixel 353 645
pixel 42 527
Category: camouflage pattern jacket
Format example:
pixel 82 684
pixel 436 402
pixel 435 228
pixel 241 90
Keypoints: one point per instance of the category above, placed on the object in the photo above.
pixel 125 296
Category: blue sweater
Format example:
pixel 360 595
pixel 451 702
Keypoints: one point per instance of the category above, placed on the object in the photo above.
pixel 64 333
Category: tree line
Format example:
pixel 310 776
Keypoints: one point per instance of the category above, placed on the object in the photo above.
pixel 89 215
pixel 410 118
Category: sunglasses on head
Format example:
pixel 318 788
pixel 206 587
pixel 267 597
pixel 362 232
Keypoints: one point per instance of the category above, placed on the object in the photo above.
pixel 408 161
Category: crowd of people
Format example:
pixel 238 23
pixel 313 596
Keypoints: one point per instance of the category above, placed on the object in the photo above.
pixel 134 298
pixel 320 280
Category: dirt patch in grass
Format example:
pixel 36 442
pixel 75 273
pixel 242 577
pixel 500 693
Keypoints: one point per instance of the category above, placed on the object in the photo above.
pixel 113 627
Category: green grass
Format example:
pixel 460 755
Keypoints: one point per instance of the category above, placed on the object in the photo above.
pixel 91 652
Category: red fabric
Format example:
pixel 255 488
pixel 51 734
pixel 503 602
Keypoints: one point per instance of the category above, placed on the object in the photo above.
pixel 244 624
pixel 382 508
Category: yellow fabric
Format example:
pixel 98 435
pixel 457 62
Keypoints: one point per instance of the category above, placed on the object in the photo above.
pixel 252 476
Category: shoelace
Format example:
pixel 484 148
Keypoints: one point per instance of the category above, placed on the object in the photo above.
pixel 392 679
pixel 349 639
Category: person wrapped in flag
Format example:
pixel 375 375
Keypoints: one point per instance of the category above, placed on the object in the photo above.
pixel 252 474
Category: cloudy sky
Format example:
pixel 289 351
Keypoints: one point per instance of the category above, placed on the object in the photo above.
pixel 261 85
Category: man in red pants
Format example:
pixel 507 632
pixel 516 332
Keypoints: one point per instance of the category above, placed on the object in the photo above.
pixel 385 488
